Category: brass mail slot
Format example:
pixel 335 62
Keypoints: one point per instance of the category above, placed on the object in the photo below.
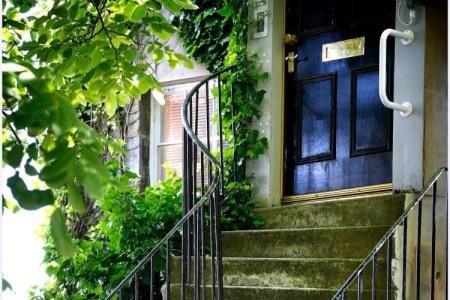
pixel 343 49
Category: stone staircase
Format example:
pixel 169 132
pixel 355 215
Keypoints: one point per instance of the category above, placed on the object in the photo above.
pixel 305 250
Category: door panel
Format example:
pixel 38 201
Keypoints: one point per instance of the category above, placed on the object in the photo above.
pixel 337 133
pixel 316 112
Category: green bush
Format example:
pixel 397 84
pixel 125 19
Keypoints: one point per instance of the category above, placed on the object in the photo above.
pixel 130 226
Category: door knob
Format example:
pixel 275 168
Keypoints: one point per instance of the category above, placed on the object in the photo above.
pixel 290 39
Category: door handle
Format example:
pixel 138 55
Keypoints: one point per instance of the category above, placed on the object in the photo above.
pixel 292 56
pixel 406 37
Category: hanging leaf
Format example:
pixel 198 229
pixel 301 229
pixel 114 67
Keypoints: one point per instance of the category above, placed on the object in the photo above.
pixel 6 285
pixel 75 198
pixel 60 233
pixel 138 13
pixel 110 103
pixel 31 200
pixel 14 156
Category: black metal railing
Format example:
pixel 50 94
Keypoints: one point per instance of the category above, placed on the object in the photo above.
pixel 199 230
pixel 413 253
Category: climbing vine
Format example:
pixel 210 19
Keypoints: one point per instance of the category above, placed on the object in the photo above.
pixel 217 35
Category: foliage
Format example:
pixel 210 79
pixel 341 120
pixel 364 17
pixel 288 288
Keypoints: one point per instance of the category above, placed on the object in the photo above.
pixel 5 285
pixel 132 224
pixel 217 35
pixel 68 65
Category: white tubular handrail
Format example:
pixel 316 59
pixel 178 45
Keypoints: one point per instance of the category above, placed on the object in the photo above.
pixel 407 37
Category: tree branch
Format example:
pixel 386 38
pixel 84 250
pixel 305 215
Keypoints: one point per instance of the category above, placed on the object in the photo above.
pixel 12 128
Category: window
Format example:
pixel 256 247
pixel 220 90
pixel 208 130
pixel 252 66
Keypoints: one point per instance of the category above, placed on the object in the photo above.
pixel 167 130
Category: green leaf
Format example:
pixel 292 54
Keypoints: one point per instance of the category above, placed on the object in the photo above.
pixel 14 156
pixel 30 200
pixel 186 4
pixel 43 39
pixel 56 173
pixel 171 6
pixel 138 13
pixel 75 199
pixel 32 151
pixel 186 61
pixel 110 103
pixel 129 8
pixel 122 99
pixel 67 53
pixel 30 170
pixel 226 11
pixel 73 10
pixel 60 11
pixel 91 183
pixel 60 234
pixel 6 285
pixel 145 82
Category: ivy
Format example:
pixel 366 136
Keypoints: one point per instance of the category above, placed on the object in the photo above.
pixel 217 36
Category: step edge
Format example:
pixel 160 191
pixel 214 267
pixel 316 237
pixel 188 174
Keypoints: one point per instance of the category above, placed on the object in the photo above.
pixel 269 230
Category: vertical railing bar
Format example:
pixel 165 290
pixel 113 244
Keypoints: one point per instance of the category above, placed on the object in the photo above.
pixel 208 135
pixel 202 227
pixel 219 85
pixel 388 268
pixel 233 127
pixel 374 276
pixel 194 201
pixel 210 202
pixel 418 249
pixel 212 248
pixel 136 286
pixel 405 240
pixel 360 286
pixel 218 245
pixel 184 244
pixel 433 239
pixel 120 294
pixel 191 146
pixel 151 278
pixel 168 270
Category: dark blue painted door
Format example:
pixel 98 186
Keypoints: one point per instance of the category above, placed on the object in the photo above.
pixel 337 133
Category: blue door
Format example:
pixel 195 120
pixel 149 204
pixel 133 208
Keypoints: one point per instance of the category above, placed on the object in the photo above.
pixel 337 133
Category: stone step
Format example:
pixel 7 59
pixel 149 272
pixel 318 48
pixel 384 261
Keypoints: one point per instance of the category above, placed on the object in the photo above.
pixel 271 293
pixel 341 242
pixel 284 272
pixel 359 211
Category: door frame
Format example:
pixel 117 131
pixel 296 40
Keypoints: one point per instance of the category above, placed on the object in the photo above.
pixel 286 199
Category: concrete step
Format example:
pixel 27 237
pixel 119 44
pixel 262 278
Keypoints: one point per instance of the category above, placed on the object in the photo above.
pixel 359 211
pixel 341 242
pixel 284 272
pixel 271 293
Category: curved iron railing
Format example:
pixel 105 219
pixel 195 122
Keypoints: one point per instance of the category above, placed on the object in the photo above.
pixel 386 246
pixel 199 229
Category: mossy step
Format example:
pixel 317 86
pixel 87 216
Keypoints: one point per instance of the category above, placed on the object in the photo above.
pixel 341 242
pixel 284 272
pixel 271 293
pixel 359 211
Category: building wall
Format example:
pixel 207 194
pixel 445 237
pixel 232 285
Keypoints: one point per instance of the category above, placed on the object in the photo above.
pixel 267 170
pixel 408 134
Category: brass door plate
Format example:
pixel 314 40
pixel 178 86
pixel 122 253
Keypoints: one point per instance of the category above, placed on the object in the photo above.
pixel 343 49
